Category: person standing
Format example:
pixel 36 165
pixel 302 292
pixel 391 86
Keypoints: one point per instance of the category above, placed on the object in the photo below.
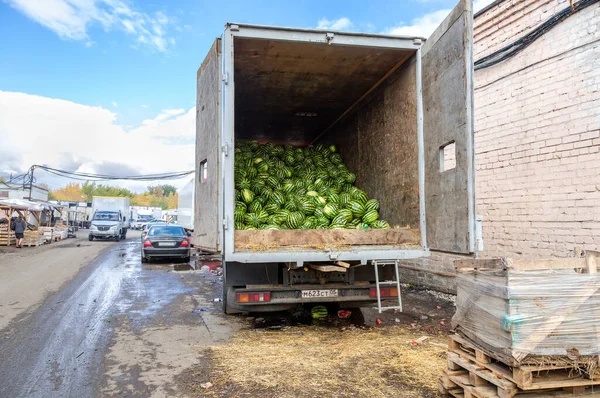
pixel 19 227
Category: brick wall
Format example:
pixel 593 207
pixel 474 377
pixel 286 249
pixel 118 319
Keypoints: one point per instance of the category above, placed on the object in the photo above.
pixel 537 123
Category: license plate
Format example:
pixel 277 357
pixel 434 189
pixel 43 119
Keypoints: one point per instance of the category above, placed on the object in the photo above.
pixel 167 244
pixel 319 293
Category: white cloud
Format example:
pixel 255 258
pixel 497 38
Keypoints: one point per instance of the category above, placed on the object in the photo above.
pixel 163 115
pixel 73 136
pixel 144 106
pixel 336 24
pixel 480 4
pixel 71 19
pixel 114 104
pixel 425 25
pixel 422 26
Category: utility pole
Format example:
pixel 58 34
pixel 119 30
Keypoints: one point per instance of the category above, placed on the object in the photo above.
pixel 31 182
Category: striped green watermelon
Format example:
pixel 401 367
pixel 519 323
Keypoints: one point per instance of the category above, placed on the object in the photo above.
pixel 330 210
pixel 344 198
pixel 252 219
pixel 360 196
pixel 350 178
pixel 271 207
pixel 370 216
pixel 295 219
pixel 243 183
pixel 247 195
pixel 343 216
pixel 320 201
pixel 255 207
pixel 307 206
pixel 319 312
pixel 278 198
pixel 380 224
pixel 270 227
pixel 372 204
pixel 357 208
pixel 333 198
pixel 263 216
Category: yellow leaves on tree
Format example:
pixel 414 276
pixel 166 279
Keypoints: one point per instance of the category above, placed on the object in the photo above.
pixel 71 192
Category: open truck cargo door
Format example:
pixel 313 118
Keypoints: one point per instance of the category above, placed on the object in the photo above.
pixel 447 97
pixel 208 203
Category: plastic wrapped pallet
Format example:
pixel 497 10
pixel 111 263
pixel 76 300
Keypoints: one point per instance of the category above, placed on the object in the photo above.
pixel 525 312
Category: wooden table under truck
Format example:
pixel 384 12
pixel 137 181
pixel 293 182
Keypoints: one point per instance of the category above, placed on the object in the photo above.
pixel 285 116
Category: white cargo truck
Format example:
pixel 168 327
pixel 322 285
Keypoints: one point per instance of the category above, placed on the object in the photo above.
pixel 110 218
pixel 399 112
pixel 185 206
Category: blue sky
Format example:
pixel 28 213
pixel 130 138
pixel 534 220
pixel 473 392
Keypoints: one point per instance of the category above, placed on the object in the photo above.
pixel 133 62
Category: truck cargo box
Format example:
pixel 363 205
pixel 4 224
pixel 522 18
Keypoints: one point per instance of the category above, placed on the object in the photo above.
pixel 399 110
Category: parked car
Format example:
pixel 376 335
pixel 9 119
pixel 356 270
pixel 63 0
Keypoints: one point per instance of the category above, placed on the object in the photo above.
pixel 150 224
pixel 166 241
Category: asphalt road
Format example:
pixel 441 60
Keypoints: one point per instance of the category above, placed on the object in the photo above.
pixel 78 342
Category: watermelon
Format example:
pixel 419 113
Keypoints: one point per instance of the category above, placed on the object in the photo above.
pixel 252 219
pixel 330 210
pixel 380 224
pixel 280 187
pixel 319 312
pixel 295 219
pixel 372 204
pixel 370 216
pixel 247 196
pixel 357 208
pixel 343 217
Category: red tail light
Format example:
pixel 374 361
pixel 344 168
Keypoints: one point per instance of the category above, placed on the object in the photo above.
pixel 258 297
pixel 184 243
pixel 384 292
pixel 147 242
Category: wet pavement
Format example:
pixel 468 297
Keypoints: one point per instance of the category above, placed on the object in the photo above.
pixel 103 333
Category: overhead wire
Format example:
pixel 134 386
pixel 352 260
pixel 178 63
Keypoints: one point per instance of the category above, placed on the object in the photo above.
pixel 519 45
pixel 28 179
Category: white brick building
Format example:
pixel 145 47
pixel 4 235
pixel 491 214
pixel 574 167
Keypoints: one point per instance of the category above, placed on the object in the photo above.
pixel 537 130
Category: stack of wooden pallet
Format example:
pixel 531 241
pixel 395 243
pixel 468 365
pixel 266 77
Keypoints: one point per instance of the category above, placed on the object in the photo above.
pixel 526 328
pixel 476 372
pixel 7 237
pixel 33 238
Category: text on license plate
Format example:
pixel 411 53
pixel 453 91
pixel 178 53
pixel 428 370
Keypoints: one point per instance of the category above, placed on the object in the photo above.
pixel 319 293
pixel 168 244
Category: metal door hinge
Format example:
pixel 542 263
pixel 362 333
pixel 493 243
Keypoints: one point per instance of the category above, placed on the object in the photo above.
pixel 225 223
pixel 225 78
pixel 329 37
pixel 225 149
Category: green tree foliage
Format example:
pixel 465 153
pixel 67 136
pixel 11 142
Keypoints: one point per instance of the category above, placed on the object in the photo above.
pixel 162 190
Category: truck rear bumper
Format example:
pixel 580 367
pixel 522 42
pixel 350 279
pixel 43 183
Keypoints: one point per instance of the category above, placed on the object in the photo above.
pixel 285 296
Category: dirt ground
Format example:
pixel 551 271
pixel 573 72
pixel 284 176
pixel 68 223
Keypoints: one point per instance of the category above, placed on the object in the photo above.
pixel 390 354
pixel 29 274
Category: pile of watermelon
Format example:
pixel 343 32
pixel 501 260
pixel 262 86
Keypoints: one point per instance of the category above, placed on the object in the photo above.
pixel 288 187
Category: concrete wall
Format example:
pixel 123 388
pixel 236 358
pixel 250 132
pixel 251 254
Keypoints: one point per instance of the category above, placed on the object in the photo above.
pixel 537 123
pixel 537 138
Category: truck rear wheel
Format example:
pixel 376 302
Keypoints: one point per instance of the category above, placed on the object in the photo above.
pixel 117 238
pixel 91 238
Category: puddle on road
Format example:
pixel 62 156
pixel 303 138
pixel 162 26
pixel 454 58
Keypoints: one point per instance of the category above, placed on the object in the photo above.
pixel 183 267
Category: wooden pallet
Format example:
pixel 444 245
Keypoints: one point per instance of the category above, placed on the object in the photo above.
pixel 476 372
